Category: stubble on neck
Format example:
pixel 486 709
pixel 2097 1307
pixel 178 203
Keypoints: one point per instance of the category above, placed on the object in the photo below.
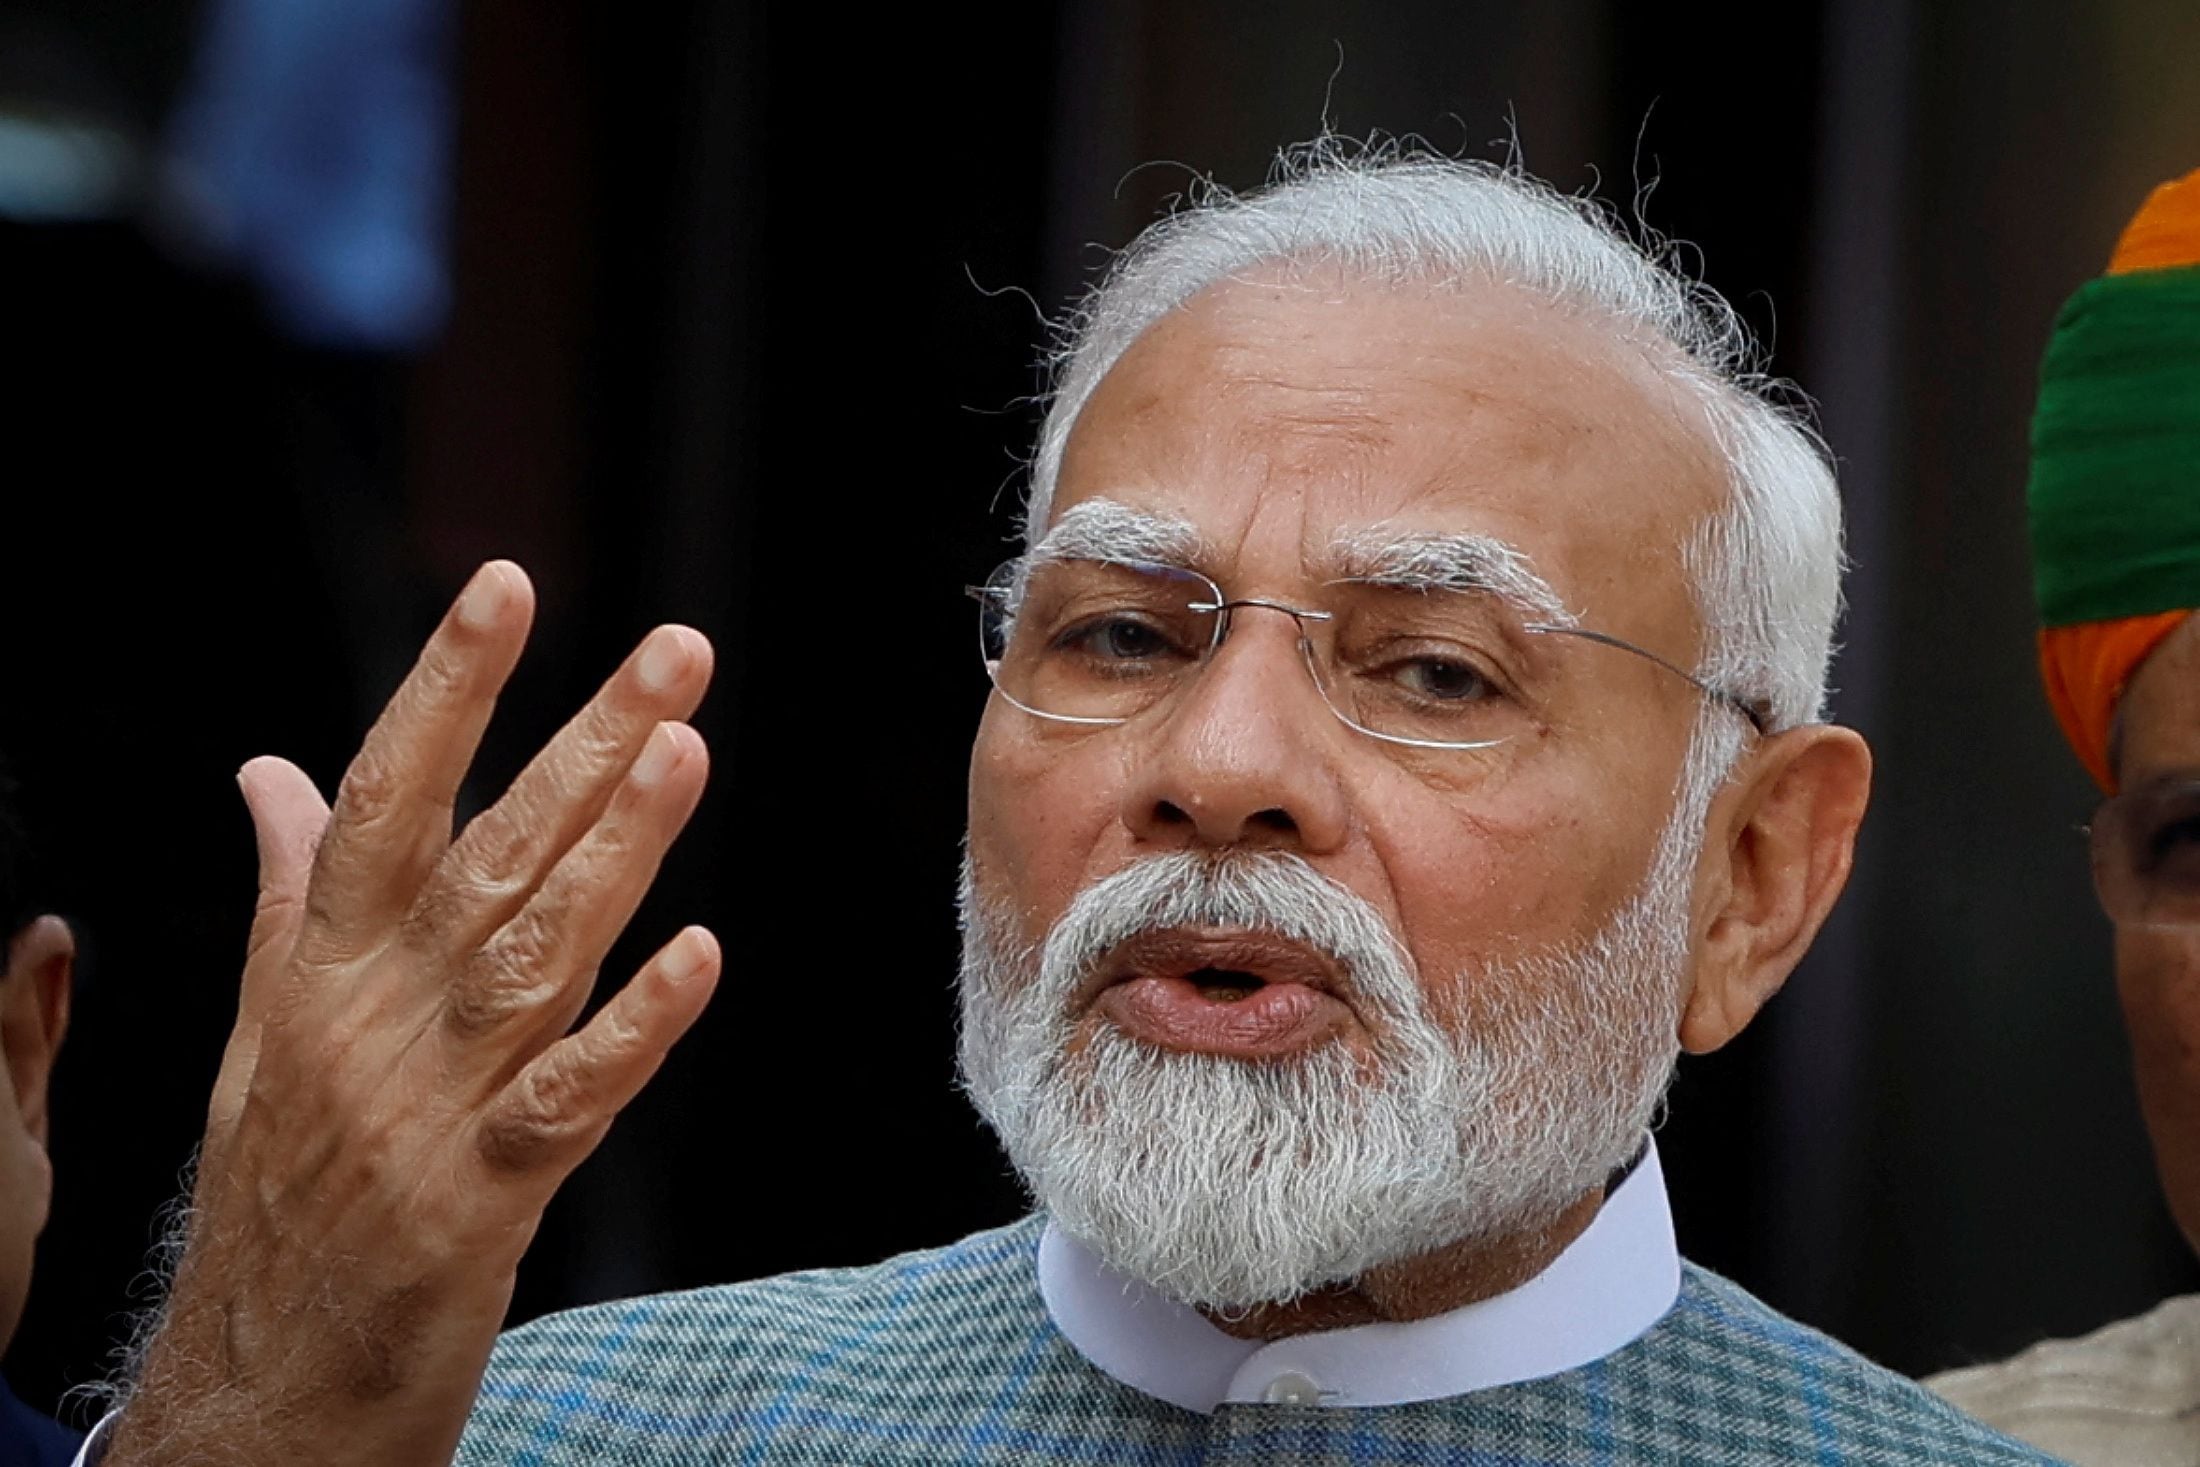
pixel 1452 1277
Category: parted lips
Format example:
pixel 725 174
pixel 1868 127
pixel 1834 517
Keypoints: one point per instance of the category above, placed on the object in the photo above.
pixel 1238 993
pixel 1178 952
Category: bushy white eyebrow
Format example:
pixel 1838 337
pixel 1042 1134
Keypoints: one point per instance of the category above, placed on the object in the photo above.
pixel 1457 562
pixel 1102 529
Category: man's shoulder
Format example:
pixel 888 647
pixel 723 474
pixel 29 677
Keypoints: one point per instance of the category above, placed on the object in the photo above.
pixel 717 1363
pixel 2128 1393
pixel 984 1271
pixel 926 1292
pixel 1749 1362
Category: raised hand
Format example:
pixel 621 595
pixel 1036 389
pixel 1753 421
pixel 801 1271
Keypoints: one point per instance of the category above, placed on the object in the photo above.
pixel 400 1096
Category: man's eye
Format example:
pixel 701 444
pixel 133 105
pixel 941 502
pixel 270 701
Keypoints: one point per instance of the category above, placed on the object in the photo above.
pixel 1116 639
pixel 1441 679
pixel 2175 842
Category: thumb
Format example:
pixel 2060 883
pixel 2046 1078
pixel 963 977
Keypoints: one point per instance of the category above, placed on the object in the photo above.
pixel 288 817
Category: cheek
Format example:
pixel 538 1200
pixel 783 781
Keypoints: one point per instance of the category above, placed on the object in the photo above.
pixel 2158 980
pixel 1041 810
pixel 1474 889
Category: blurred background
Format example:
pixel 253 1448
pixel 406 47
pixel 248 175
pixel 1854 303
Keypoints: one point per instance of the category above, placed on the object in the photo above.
pixel 727 314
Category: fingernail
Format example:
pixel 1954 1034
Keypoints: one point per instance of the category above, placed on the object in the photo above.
pixel 663 658
pixel 482 599
pixel 657 757
pixel 686 955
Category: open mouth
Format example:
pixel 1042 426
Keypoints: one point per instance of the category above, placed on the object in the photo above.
pixel 1250 995
pixel 1225 985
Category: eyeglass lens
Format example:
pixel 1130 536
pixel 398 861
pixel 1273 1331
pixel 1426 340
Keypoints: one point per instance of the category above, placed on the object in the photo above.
pixel 2146 854
pixel 1103 641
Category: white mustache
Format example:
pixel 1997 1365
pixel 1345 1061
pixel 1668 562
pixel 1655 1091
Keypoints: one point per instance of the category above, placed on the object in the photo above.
pixel 1270 892
pixel 1224 1183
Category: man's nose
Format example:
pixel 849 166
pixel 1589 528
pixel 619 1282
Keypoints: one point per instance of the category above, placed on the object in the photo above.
pixel 1247 754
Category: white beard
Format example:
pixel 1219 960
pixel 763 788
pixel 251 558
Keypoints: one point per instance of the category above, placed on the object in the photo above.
pixel 1227 1183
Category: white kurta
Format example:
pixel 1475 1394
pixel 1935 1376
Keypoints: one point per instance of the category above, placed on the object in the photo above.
pixel 2127 1395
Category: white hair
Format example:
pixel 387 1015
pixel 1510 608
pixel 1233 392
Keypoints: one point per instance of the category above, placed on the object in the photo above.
pixel 1227 1184
pixel 1765 573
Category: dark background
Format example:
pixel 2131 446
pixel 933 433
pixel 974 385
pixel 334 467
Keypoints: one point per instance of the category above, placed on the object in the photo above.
pixel 739 337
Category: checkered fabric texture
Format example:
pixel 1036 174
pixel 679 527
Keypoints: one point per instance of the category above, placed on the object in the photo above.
pixel 949 1357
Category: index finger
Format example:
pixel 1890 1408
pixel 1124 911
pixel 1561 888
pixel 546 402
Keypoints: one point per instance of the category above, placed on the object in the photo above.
pixel 392 816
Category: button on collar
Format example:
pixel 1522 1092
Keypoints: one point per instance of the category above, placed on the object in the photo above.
pixel 1292 1389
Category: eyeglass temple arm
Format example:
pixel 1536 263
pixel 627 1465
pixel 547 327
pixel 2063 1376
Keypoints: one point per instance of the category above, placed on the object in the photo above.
pixel 1755 715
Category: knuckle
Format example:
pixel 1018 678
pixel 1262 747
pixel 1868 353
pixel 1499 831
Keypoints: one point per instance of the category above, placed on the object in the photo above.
pixel 450 905
pixel 498 843
pixel 443 672
pixel 605 738
pixel 621 1035
pixel 371 787
pixel 599 862
pixel 627 813
pixel 552 1095
pixel 276 917
pixel 509 979
pixel 379 818
pixel 486 1004
pixel 322 910
pixel 543 1112
pixel 431 920
pixel 510 1145
pixel 498 858
pixel 277 908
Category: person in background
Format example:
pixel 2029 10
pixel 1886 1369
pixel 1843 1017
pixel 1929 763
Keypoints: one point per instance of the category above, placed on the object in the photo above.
pixel 2115 507
pixel 36 952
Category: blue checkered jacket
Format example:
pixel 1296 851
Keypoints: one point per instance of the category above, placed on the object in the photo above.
pixel 950 1357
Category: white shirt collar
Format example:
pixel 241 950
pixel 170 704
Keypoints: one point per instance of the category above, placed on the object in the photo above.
pixel 1610 1285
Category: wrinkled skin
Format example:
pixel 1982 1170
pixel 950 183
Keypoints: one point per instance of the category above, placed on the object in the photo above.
pixel 396 1104
pixel 1276 414
pixel 2158 969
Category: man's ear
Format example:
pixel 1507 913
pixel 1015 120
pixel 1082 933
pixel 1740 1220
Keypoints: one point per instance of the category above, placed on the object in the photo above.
pixel 34 1013
pixel 1777 849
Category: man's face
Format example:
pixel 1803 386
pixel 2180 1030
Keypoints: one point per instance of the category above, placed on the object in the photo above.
pixel 2158 967
pixel 1279 422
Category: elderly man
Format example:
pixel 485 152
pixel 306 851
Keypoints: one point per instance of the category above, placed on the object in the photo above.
pixel 1403 744
pixel 2115 504
pixel 36 953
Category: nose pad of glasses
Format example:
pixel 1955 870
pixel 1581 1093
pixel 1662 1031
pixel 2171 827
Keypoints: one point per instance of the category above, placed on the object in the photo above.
pixel 1313 661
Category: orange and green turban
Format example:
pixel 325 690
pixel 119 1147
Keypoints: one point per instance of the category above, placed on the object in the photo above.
pixel 2115 489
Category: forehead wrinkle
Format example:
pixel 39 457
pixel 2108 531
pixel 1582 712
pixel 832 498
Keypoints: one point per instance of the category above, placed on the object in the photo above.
pixel 1109 530
pixel 1354 430
pixel 1462 561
